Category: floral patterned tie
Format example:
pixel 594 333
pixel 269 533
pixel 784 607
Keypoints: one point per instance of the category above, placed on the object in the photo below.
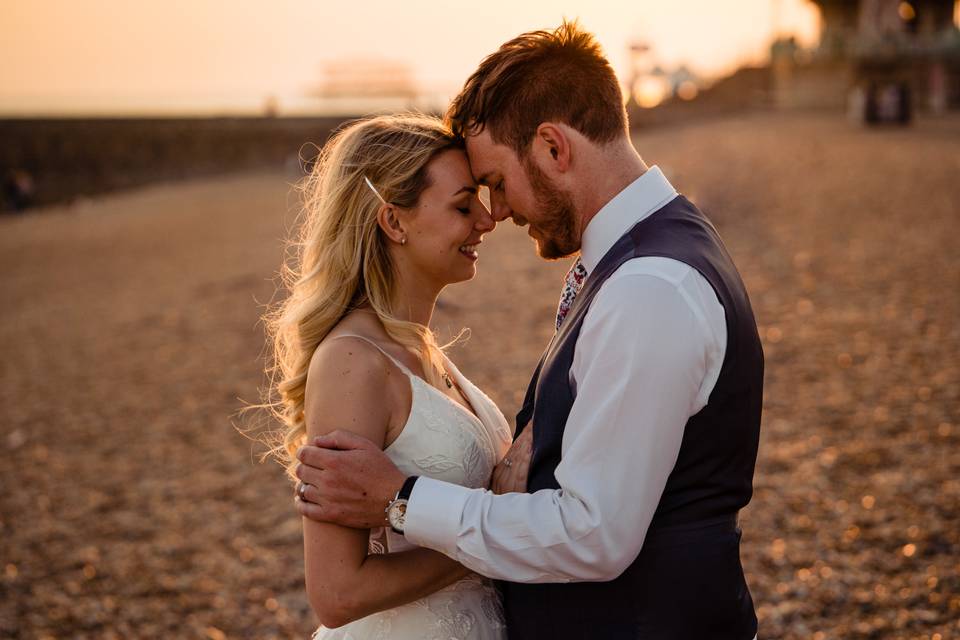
pixel 572 285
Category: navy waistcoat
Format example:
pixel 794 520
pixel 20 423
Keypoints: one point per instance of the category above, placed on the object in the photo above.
pixel 687 582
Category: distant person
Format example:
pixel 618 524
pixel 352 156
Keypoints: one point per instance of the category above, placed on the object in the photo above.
pixel 904 106
pixel 643 415
pixel 18 190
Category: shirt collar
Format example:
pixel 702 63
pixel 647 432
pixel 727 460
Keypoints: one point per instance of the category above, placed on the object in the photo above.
pixel 637 201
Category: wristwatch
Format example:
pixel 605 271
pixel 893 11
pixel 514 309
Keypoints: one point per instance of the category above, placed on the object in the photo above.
pixel 397 509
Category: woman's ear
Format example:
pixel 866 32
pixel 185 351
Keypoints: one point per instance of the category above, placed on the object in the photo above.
pixel 389 221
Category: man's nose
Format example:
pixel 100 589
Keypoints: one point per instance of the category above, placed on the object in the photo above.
pixel 499 210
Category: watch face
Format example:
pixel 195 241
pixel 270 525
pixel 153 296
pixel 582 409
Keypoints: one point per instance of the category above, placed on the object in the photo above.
pixel 397 514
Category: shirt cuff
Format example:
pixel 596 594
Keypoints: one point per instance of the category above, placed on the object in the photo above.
pixel 433 516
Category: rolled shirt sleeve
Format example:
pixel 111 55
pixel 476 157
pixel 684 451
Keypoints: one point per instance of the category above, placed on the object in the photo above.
pixel 646 351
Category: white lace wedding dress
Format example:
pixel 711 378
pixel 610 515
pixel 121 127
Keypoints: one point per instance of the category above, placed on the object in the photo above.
pixel 442 440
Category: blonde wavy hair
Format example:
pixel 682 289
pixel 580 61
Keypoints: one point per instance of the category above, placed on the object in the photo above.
pixel 340 257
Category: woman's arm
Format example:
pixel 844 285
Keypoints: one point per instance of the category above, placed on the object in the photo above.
pixel 389 580
pixel 348 386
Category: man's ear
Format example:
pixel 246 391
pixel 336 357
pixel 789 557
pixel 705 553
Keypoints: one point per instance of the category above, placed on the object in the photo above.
pixel 552 144
pixel 389 221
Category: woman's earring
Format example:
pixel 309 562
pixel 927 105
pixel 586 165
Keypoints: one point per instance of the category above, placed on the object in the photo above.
pixel 403 240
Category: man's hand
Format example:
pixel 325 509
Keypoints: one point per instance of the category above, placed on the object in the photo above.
pixel 510 475
pixel 349 481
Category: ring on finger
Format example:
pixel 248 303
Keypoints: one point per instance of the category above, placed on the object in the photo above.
pixel 507 463
pixel 302 490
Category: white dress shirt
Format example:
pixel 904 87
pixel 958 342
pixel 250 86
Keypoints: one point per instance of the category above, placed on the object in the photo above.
pixel 647 357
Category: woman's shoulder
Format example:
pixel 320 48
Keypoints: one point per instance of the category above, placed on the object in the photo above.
pixel 347 358
pixel 365 332
pixel 357 355
pixel 345 389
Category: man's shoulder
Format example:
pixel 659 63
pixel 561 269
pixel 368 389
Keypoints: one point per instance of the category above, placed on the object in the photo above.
pixel 661 286
pixel 637 270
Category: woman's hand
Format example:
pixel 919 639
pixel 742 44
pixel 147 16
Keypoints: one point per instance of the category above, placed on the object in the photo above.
pixel 510 475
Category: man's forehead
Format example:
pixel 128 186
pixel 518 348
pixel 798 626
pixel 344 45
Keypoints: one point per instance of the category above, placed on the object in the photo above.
pixel 484 159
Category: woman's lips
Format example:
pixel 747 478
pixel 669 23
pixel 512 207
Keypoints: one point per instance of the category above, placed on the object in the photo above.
pixel 470 250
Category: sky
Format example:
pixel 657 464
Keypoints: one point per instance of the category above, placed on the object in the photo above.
pixel 134 56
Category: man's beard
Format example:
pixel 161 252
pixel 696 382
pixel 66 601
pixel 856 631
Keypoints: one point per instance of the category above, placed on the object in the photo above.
pixel 559 236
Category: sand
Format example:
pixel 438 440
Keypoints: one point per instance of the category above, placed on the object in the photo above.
pixel 133 507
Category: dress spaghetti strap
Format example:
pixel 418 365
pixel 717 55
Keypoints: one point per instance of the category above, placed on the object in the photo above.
pixel 399 364
pixel 467 406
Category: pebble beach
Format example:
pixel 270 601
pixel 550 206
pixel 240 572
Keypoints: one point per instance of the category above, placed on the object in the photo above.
pixel 135 503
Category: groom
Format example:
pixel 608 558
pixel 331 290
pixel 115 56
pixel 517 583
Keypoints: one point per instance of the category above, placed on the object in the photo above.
pixel 645 407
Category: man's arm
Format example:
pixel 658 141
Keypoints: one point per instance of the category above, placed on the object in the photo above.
pixel 642 370
pixel 641 362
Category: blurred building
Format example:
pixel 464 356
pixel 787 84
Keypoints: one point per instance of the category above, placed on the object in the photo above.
pixel 881 58
pixel 365 85
pixel 650 84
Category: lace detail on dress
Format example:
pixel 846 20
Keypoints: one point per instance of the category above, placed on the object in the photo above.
pixel 452 621
pixel 466 610
pixel 377 545
pixel 472 450
pixel 443 440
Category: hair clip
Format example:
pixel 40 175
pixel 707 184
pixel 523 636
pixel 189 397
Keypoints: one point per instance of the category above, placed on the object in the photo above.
pixel 374 189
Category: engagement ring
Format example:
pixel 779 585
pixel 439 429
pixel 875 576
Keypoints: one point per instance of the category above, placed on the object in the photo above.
pixel 507 463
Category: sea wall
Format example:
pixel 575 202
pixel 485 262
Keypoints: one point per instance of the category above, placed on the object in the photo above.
pixel 45 161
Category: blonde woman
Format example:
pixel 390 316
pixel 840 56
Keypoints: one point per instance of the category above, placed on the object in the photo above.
pixel 392 217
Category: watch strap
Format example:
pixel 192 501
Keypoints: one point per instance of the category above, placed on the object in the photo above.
pixel 407 488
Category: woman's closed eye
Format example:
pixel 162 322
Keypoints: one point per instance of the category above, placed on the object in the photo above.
pixel 465 209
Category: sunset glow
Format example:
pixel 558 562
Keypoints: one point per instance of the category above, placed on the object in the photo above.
pixel 213 55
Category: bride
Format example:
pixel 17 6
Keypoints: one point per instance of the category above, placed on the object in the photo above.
pixel 392 216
